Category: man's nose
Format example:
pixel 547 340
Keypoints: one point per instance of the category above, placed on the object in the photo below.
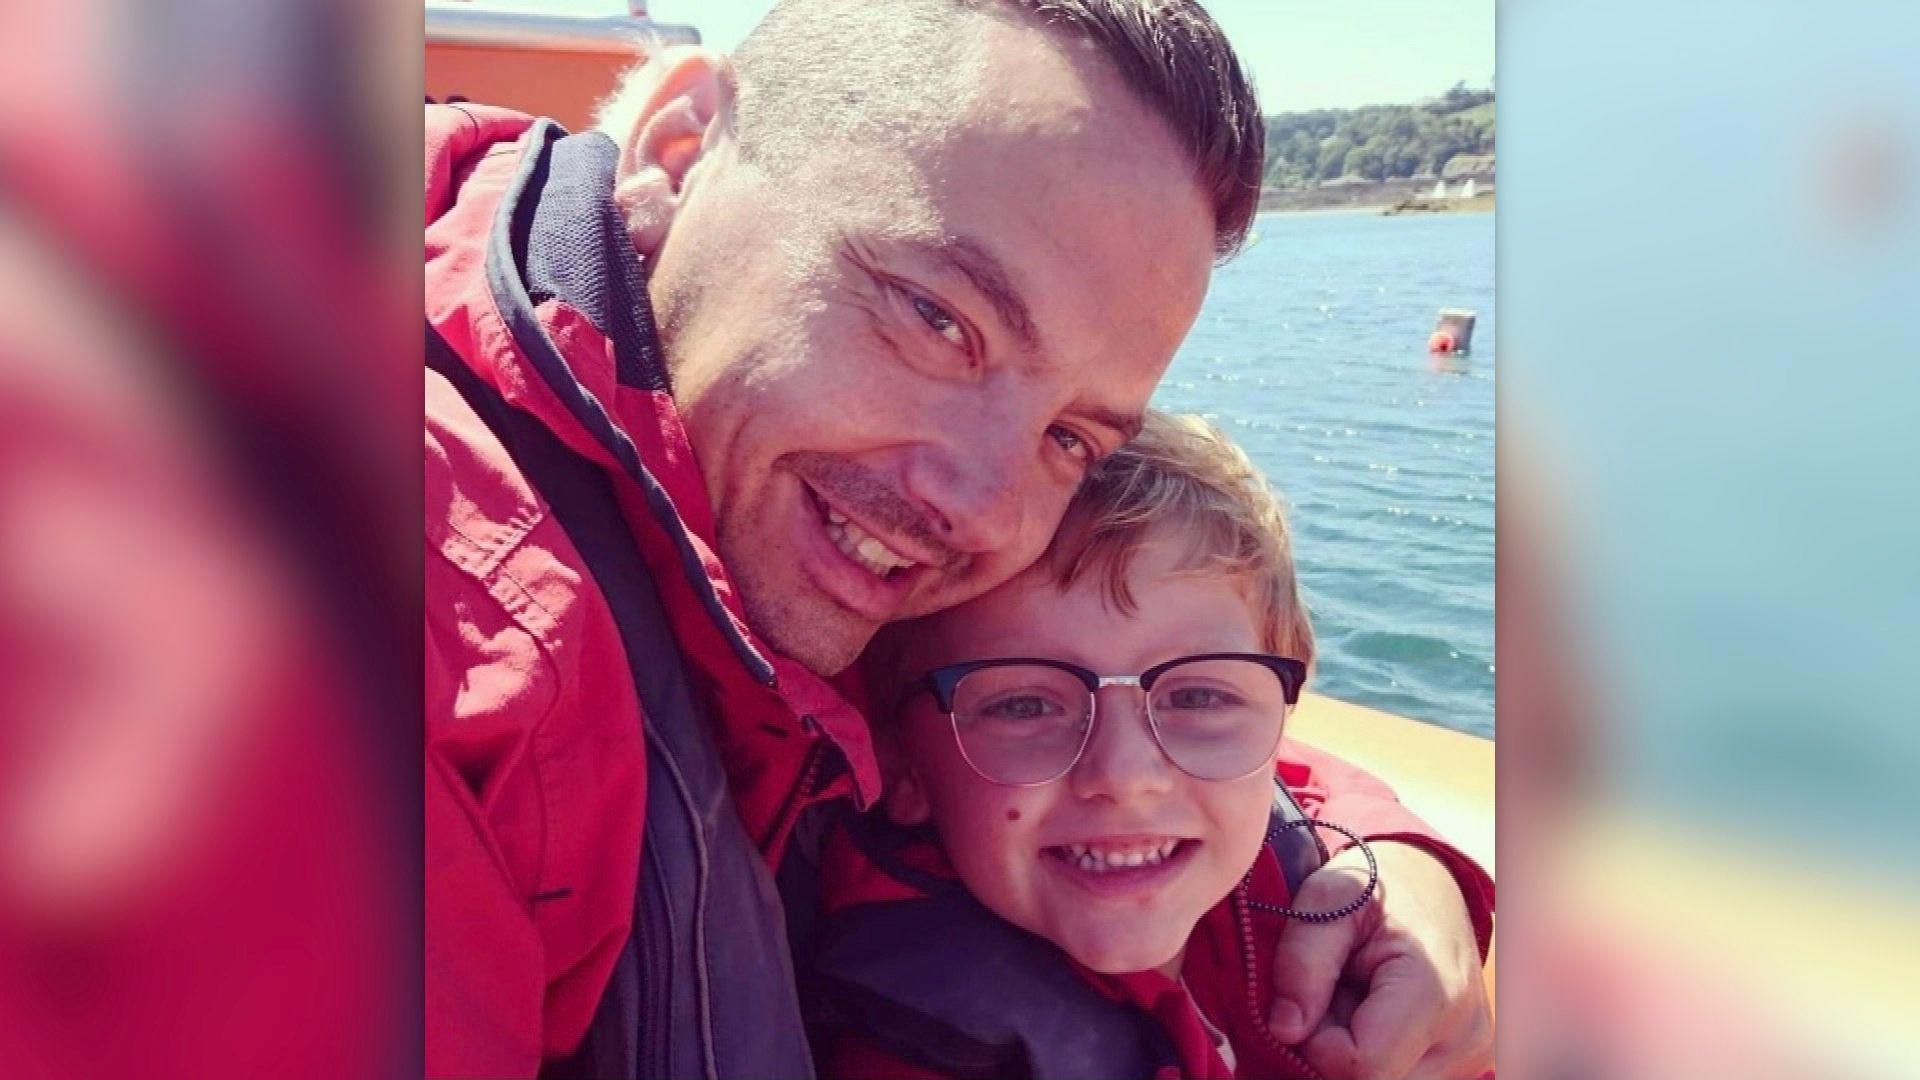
pixel 1122 761
pixel 975 490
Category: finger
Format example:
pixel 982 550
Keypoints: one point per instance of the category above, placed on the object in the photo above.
pixel 1347 995
pixel 1333 1053
pixel 1310 957
pixel 1402 1016
pixel 1307 963
pixel 1336 1054
pixel 1467 1054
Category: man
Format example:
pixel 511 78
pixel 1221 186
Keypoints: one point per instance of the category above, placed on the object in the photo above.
pixel 800 345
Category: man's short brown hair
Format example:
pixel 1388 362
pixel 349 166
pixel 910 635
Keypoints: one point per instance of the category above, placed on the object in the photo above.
pixel 799 65
pixel 1177 59
pixel 1182 482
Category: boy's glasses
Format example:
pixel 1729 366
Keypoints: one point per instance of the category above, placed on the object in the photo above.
pixel 1024 721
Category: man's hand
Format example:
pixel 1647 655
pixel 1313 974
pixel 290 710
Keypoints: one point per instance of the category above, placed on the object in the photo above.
pixel 1395 989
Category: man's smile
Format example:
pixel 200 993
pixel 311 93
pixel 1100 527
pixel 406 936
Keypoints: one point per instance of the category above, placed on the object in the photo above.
pixel 860 566
pixel 858 544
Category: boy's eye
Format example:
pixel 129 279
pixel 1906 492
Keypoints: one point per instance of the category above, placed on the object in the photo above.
pixel 1021 709
pixel 1024 707
pixel 1197 698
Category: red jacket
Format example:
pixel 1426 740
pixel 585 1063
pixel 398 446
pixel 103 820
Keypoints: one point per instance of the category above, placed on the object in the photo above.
pixel 537 748
pixel 1226 973
pixel 536 769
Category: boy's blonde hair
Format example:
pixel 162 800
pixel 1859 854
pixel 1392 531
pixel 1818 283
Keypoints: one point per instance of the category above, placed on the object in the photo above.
pixel 1181 481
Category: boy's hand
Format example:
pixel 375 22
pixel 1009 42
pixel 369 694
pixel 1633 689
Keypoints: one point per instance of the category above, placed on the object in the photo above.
pixel 1394 990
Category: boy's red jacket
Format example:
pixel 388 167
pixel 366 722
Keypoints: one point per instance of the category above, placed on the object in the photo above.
pixel 1227 970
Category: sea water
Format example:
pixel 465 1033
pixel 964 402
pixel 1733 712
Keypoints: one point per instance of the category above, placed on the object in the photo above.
pixel 1311 353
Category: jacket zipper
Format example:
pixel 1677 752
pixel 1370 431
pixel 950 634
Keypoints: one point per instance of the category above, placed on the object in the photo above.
pixel 656 948
pixel 1243 918
pixel 656 1018
pixel 801 791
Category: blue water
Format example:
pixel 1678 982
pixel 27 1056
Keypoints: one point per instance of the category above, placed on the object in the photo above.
pixel 1311 352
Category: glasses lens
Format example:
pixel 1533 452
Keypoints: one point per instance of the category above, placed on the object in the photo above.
pixel 1021 723
pixel 1219 719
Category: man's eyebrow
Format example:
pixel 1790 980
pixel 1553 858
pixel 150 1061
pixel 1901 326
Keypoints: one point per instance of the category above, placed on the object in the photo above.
pixel 1128 424
pixel 990 278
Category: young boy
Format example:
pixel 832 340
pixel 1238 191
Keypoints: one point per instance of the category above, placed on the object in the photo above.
pixel 1090 750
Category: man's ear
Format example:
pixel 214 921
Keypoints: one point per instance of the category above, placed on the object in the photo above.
pixel 906 799
pixel 669 109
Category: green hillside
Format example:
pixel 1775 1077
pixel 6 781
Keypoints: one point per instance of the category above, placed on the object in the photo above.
pixel 1378 142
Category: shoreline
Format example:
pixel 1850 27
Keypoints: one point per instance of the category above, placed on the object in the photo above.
pixel 1479 204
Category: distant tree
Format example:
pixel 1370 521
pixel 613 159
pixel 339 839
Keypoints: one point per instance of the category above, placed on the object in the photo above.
pixel 1303 148
pixel 1376 158
pixel 1378 141
pixel 1333 157
pixel 1458 97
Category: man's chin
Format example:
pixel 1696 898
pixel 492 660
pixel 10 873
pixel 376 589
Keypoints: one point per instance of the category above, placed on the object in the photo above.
pixel 949 595
pixel 825 646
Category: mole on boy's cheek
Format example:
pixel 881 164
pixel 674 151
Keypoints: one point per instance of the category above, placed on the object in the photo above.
pixel 1013 814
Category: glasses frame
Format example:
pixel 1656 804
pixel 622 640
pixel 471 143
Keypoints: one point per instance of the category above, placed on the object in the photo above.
pixel 943 682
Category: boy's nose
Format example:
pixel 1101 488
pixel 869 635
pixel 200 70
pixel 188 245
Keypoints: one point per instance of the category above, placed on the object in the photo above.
pixel 1122 761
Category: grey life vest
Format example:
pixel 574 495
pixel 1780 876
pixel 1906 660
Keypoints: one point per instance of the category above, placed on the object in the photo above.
pixel 944 983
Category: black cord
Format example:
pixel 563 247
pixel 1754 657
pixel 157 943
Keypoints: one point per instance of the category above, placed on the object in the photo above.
pixel 1344 910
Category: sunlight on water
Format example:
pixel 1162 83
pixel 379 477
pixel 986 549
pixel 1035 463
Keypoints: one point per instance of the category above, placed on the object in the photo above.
pixel 1311 352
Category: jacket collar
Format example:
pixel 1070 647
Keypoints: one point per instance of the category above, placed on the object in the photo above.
pixel 571 291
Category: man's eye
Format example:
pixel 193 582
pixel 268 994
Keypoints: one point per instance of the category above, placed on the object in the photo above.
pixel 1074 445
pixel 939 320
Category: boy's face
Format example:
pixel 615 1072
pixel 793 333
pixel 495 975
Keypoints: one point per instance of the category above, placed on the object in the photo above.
pixel 1011 844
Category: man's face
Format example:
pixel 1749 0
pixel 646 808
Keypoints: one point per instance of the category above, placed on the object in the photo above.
pixel 896 356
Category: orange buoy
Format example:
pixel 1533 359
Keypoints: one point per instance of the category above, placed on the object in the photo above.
pixel 1452 332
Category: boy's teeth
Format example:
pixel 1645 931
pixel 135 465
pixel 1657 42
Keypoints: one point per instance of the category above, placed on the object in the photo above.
pixel 1098 861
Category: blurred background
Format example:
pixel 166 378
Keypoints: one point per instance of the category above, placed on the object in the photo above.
pixel 1708 259
pixel 209 570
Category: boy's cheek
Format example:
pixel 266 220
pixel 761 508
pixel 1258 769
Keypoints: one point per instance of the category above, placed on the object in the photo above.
pixel 987 827
pixel 1252 807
